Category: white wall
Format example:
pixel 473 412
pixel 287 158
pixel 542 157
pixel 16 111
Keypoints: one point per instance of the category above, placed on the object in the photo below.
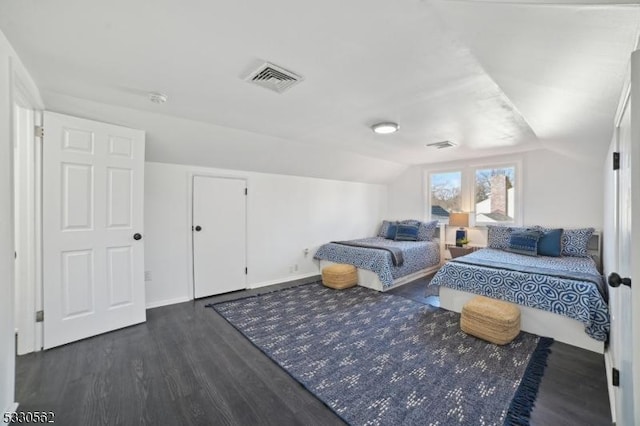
pixel 285 214
pixel 10 67
pixel 557 191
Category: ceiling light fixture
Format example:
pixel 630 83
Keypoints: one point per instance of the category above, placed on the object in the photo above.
pixel 385 128
pixel 157 98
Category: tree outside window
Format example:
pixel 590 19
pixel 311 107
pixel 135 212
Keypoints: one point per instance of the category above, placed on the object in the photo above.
pixel 446 194
pixel 495 195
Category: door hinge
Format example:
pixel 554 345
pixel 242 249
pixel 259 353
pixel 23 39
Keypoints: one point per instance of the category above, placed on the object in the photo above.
pixel 615 377
pixel 246 191
pixel 616 161
pixel 246 271
pixel 39 131
pixel 39 316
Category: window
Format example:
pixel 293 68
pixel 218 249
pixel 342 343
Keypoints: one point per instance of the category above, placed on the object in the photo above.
pixel 445 191
pixel 495 195
pixel 490 192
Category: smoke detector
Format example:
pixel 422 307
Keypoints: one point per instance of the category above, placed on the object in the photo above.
pixel 442 144
pixel 157 98
pixel 274 78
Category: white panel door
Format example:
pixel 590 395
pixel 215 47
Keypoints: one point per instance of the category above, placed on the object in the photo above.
pixel 93 256
pixel 625 303
pixel 620 297
pixel 219 235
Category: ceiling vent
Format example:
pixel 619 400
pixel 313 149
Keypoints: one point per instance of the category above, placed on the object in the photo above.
pixel 273 77
pixel 441 145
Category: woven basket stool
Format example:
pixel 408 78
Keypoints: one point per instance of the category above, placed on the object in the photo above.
pixel 489 319
pixel 339 276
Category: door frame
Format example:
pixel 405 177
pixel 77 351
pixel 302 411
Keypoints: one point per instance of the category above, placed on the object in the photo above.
pixel 190 270
pixel 635 230
pixel 25 94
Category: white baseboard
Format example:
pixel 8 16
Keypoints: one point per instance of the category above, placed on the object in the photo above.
pixel 283 280
pixel 167 302
pixel 10 409
pixel 608 365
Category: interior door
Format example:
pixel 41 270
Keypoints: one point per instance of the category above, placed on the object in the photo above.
pixel 624 303
pixel 621 308
pixel 93 256
pixel 219 235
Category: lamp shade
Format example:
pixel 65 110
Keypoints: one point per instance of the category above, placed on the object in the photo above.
pixel 459 219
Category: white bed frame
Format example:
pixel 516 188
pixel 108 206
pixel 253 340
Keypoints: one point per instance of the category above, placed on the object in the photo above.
pixel 532 320
pixel 370 279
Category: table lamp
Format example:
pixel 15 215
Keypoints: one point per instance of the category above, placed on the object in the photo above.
pixel 461 220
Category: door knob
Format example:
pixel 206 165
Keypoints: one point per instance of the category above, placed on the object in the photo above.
pixel 198 228
pixel 615 280
pixel 137 236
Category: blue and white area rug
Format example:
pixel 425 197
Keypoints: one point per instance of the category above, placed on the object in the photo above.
pixel 380 359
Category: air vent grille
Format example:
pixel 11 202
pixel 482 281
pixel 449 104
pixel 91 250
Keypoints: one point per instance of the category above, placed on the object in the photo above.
pixel 274 78
pixel 441 145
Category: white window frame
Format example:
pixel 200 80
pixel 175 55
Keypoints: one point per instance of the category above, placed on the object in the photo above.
pixel 517 201
pixel 468 170
pixel 463 184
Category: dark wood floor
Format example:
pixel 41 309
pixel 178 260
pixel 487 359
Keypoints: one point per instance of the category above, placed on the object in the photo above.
pixel 187 366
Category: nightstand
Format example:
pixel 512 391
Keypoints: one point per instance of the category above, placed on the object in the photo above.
pixel 459 251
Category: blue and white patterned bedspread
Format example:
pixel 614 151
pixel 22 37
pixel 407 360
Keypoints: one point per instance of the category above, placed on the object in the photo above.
pixel 580 300
pixel 417 255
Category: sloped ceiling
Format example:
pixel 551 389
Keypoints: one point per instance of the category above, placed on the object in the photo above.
pixel 492 77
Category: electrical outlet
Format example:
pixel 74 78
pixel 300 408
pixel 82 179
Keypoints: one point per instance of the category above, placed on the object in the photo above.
pixel 295 267
pixel 147 275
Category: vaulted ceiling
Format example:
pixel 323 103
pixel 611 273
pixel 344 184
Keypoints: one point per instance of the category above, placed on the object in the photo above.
pixel 492 77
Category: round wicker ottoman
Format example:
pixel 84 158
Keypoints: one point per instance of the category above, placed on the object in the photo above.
pixel 489 319
pixel 339 276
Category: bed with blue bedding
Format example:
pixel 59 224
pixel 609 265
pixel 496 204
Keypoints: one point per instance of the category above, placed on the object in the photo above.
pixel 389 260
pixel 562 295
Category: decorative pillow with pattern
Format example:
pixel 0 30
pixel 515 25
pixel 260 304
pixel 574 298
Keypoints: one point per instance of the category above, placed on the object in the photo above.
pixel 384 229
pixel 575 242
pixel 524 242
pixel 427 230
pixel 407 232
pixel 498 237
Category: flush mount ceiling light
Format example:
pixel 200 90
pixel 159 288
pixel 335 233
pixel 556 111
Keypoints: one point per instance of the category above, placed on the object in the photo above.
pixel 157 98
pixel 385 128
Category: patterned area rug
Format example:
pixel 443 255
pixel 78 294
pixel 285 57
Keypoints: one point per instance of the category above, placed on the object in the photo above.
pixel 380 359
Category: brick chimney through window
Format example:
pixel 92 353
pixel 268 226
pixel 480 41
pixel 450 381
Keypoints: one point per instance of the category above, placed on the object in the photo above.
pixel 499 194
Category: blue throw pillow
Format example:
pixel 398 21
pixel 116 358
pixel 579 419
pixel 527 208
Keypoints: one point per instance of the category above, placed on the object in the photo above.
pixel 550 243
pixel 524 242
pixel 426 230
pixel 407 233
pixel 392 230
